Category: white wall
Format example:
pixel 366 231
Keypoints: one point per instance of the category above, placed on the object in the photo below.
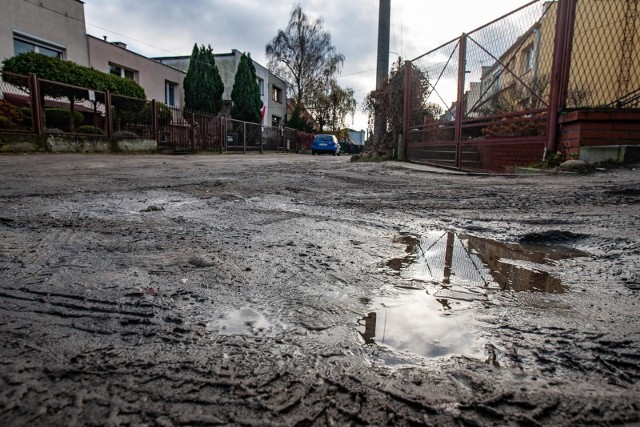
pixel 60 22
pixel 150 74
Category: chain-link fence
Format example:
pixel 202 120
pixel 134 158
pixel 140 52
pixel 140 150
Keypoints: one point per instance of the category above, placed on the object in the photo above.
pixel 439 69
pixel 605 55
pixel 59 108
pixel 16 112
pixel 72 109
pixel 131 117
pixel 508 64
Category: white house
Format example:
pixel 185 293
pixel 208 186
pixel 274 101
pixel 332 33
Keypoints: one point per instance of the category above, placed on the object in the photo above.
pixel 272 89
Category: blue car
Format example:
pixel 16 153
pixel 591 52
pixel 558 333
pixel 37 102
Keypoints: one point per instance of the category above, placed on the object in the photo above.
pixel 325 144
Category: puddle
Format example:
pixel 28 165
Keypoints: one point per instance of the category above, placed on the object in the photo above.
pixel 455 259
pixel 454 269
pixel 417 322
pixel 244 321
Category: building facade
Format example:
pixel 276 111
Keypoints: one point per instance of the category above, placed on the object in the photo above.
pixel 160 81
pixel 51 27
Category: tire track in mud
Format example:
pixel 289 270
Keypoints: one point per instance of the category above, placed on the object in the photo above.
pixel 570 352
pixel 212 388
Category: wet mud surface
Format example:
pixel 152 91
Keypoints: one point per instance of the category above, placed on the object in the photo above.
pixel 304 290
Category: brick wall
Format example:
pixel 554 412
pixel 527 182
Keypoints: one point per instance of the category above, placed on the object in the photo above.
pixel 597 128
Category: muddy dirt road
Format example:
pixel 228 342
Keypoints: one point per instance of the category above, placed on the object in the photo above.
pixel 291 289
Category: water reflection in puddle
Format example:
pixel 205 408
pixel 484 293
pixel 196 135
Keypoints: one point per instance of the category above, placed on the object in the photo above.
pixel 452 259
pixel 453 269
pixel 414 322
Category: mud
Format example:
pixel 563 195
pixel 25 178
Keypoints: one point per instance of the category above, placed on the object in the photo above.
pixel 249 290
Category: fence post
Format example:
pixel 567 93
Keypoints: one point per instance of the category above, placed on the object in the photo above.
pixel 406 110
pixel 225 129
pixel 194 132
pixel 154 120
pixel 244 137
pixel 36 108
pixel 108 116
pixel 222 133
pixel 565 17
pixel 462 69
pixel 261 140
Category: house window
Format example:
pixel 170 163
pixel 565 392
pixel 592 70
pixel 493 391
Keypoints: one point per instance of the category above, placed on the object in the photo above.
pixel 23 43
pixel 277 94
pixel 276 121
pixel 495 80
pixel 261 86
pixel 119 71
pixel 527 59
pixel 170 90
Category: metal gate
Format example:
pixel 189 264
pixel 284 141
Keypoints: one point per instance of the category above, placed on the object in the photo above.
pixel 497 97
pixel 185 132
pixel 491 113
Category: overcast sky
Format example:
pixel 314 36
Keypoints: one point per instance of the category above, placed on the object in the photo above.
pixel 170 27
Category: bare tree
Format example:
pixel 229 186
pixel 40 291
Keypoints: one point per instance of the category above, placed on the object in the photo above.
pixel 332 106
pixel 389 101
pixel 303 56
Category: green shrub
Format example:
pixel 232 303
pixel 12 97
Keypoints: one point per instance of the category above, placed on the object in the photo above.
pixel 58 70
pixel 59 118
pixel 89 130
pixel 5 123
pixel 27 121
pixel 164 113
pixel 11 115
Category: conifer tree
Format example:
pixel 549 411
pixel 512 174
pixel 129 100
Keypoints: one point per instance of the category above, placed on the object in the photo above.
pixel 245 95
pixel 296 121
pixel 203 86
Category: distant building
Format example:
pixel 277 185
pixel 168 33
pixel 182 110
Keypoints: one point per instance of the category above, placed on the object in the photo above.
pixel 272 89
pixel 304 113
pixel 357 137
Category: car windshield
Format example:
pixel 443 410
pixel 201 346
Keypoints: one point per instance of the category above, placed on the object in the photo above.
pixel 323 138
